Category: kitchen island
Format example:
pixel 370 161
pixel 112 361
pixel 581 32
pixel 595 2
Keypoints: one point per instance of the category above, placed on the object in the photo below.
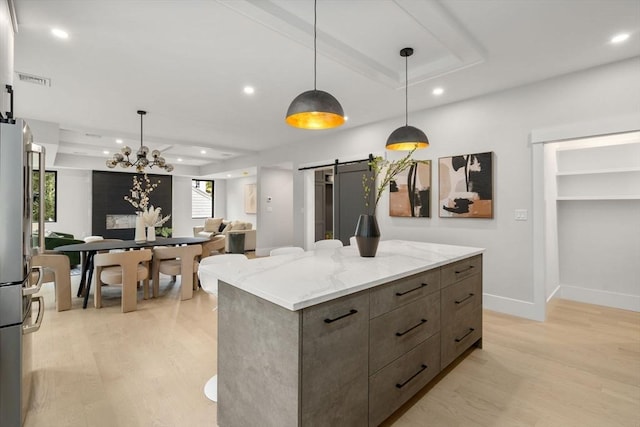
pixel 327 337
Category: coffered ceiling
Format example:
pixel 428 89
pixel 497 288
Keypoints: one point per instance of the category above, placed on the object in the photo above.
pixel 187 61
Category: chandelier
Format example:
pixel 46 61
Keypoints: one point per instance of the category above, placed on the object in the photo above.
pixel 141 160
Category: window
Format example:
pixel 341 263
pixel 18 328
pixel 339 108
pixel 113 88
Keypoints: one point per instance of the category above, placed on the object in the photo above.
pixel 50 199
pixel 201 198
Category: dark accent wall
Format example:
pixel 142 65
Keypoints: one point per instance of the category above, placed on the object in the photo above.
pixel 108 191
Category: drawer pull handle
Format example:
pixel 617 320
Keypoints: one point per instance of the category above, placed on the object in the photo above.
pixel 465 335
pixel 465 270
pixel 422 368
pixel 352 311
pixel 422 322
pixel 411 290
pixel 464 299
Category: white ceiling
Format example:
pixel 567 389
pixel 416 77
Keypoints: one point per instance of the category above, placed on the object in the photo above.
pixel 186 62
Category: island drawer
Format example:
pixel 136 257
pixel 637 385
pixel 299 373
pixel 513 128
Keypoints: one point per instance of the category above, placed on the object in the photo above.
pixel 460 299
pixel 460 270
pixel 398 382
pixel 404 291
pixel 394 333
pixel 459 336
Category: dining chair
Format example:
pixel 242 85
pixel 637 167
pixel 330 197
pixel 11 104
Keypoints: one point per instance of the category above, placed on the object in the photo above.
pixel 209 282
pixel 57 269
pixel 328 244
pixel 353 241
pixel 286 250
pixel 215 245
pixel 122 268
pixel 174 261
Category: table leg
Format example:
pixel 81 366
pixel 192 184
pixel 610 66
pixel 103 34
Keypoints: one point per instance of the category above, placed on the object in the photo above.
pixel 88 287
pixel 83 276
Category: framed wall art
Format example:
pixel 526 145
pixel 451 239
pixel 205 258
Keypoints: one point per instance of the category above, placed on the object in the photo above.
pixel 250 198
pixel 466 186
pixel 410 191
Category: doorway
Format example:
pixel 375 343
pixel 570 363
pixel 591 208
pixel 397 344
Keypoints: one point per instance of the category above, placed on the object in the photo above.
pixel 323 205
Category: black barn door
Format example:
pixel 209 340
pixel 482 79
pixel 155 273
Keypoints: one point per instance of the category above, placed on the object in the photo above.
pixel 348 196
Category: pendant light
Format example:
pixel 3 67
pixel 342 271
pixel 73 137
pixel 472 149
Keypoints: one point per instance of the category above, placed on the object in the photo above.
pixel 315 109
pixel 407 137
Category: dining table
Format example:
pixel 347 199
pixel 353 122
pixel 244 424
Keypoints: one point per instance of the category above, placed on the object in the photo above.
pixel 90 249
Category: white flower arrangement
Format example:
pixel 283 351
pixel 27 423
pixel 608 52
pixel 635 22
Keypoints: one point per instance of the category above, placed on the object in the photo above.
pixel 152 217
pixel 139 199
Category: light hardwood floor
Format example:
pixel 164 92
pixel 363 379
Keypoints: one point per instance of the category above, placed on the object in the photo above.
pixel 147 368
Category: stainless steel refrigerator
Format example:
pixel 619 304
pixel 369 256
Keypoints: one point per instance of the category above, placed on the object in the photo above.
pixel 19 160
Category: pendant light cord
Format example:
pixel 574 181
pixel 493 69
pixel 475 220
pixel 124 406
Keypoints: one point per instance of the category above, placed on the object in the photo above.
pixel 315 36
pixel 141 115
pixel 406 90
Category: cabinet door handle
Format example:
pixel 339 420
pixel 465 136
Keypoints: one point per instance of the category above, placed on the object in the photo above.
pixel 411 290
pixel 465 269
pixel 422 322
pixel 465 335
pixel 422 368
pixel 465 298
pixel 352 311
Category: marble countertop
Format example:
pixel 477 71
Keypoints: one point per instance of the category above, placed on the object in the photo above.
pixel 305 279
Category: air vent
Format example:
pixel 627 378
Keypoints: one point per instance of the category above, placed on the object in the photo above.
pixel 36 80
pixel 92 135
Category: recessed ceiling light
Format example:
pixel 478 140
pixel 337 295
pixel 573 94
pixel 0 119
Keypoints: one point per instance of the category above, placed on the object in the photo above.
pixel 438 91
pixel 203 151
pixel 249 90
pixel 228 175
pixel 619 38
pixel 179 159
pixel 346 118
pixel 106 151
pixel 61 34
pixel 118 141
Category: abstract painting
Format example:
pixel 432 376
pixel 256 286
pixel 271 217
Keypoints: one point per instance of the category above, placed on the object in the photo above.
pixel 410 191
pixel 250 198
pixel 466 186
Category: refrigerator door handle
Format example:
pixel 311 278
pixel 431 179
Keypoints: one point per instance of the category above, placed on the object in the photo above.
pixel 29 329
pixel 35 288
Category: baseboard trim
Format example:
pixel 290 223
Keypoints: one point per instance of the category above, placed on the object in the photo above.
pixel 514 307
pixel 600 297
pixel 554 293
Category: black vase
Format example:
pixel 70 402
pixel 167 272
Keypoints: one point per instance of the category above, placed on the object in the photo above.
pixel 367 235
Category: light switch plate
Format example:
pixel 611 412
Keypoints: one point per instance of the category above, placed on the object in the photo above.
pixel 521 215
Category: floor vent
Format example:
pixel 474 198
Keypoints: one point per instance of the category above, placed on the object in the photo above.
pixel 36 80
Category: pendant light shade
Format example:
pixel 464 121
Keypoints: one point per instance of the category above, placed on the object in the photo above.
pixel 315 109
pixel 407 137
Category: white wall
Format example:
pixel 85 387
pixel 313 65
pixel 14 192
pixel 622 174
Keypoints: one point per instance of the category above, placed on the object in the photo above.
pixel 275 207
pixel 6 54
pixel 74 203
pixel 182 223
pixel 235 200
